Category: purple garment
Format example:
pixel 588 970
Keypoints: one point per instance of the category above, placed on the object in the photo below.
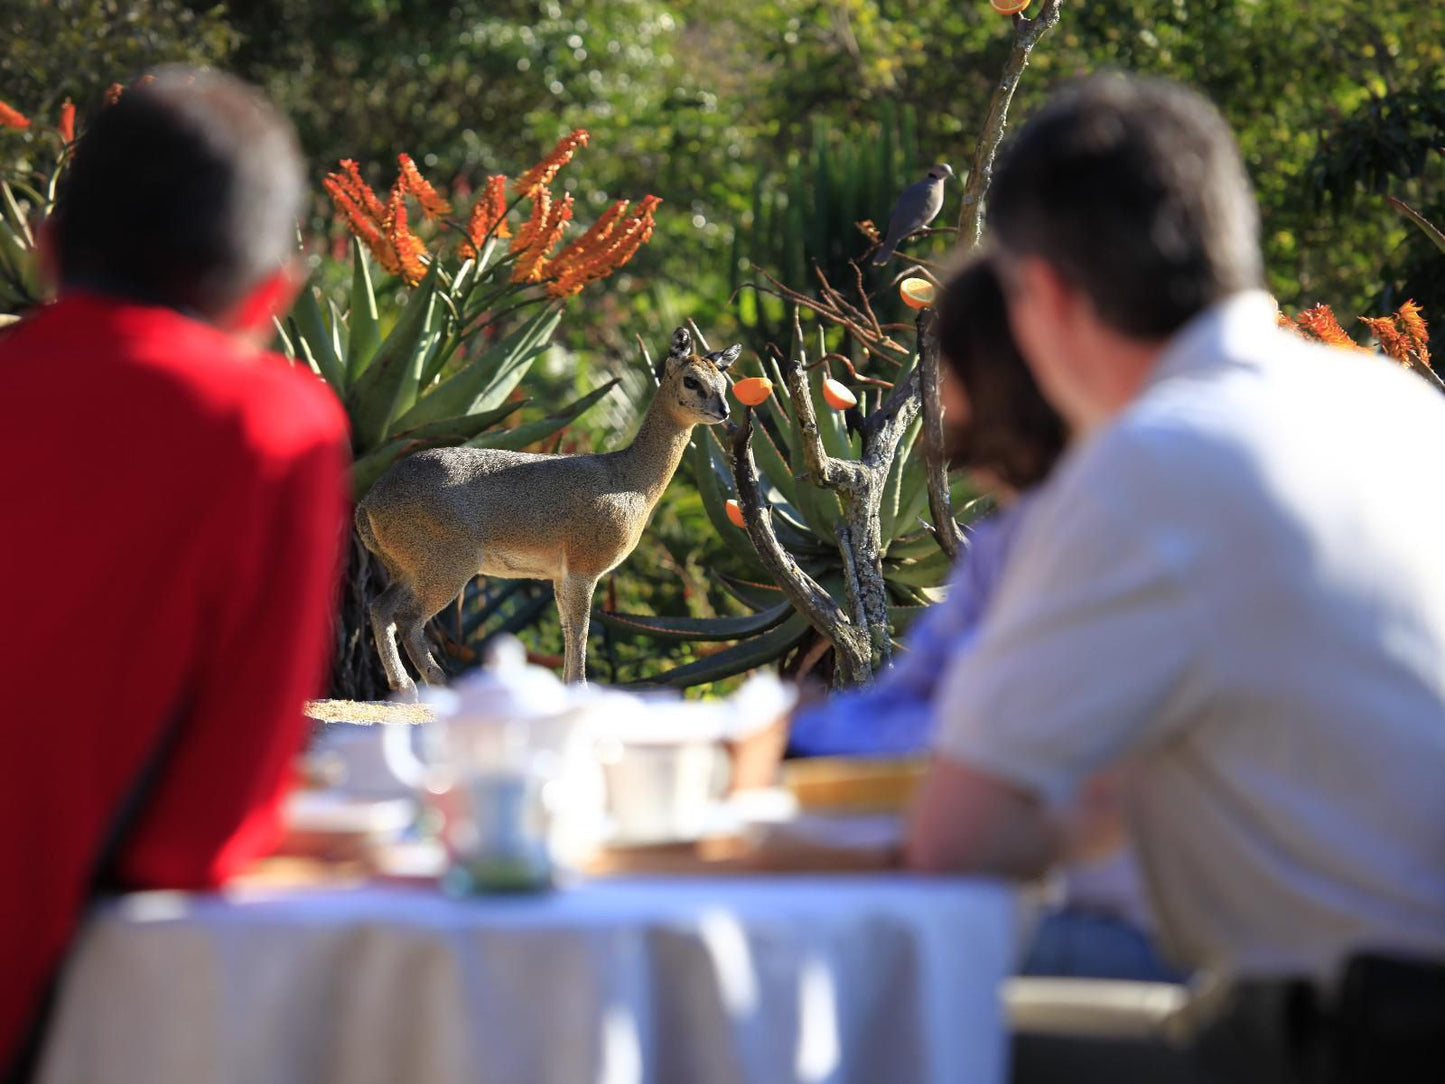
pixel 894 714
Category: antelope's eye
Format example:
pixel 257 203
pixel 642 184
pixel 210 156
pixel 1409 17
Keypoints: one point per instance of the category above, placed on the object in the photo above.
pixel 690 384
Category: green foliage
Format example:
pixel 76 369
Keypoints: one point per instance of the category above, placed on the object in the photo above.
pixel 22 206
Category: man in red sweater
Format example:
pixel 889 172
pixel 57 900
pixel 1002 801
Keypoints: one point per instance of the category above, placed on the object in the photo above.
pixel 174 502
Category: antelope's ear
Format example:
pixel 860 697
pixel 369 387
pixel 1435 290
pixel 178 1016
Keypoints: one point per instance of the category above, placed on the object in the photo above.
pixel 723 358
pixel 681 345
pixel 679 350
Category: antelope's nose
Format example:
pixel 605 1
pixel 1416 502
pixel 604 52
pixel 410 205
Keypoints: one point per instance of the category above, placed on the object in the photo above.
pixel 726 413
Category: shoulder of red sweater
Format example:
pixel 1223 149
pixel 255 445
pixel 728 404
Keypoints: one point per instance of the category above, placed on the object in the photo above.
pixel 282 404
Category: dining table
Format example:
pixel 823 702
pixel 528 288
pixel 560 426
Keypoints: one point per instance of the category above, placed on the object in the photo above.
pixel 869 978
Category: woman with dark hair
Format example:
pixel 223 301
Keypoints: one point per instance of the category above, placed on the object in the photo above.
pixel 1002 430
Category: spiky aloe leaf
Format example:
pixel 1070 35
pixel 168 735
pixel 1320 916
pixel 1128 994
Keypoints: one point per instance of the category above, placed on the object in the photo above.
pixel 745 655
pixel 363 323
pixel 533 431
pixel 709 483
pixel 312 337
pixel 900 617
pixel 1426 226
pixel 513 366
pixel 912 547
pixel 773 466
pixel 927 572
pixel 487 380
pixel 888 521
pixel 830 421
pixel 820 509
pixel 369 467
pixel 373 397
pixel 429 344
pixel 757 596
pixel 913 492
pixel 697 628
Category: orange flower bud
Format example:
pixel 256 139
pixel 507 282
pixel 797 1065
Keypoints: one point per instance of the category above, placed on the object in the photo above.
pixel 1414 325
pixel 407 246
pixel 542 174
pixel 432 205
pixel 360 191
pixel 66 124
pixel 735 515
pixel 488 218
pixel 530 265
pixel 362 225
pixel 10 118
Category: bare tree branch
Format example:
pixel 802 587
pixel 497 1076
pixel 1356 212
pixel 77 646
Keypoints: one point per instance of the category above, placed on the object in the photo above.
pixel 980 173
pixel 946 529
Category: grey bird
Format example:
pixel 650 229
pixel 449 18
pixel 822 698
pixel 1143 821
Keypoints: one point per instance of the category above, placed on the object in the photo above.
pixel 916 207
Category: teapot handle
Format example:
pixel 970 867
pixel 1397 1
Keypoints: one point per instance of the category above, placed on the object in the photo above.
pixel 400 756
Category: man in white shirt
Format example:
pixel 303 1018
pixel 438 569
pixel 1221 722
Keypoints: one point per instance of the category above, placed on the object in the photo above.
pixel 1234 582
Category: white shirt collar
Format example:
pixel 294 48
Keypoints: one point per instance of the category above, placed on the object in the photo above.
pixel 1234 328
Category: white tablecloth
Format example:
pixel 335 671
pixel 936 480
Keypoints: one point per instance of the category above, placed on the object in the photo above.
pixel 678 981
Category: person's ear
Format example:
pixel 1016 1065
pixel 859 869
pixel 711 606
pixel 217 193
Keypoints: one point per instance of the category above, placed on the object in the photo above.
pixel 1048 294
pixel 253 317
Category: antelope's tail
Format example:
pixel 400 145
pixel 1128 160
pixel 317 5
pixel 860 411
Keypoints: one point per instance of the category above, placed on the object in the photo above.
pixel 363 528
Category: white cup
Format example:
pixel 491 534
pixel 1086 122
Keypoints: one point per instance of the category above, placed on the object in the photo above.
pixel 659 793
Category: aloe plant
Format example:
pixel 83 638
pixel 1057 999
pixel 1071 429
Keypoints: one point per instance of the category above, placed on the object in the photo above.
pixel 813 526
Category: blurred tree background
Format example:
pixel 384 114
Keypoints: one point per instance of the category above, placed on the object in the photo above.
pixel 768 127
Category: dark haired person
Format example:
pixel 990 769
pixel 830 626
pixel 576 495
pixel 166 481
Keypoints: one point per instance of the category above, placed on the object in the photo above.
pixel 174 505
pixel 1229 580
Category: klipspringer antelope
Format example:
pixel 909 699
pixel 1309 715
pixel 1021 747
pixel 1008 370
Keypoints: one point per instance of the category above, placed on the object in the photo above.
pixel 437 518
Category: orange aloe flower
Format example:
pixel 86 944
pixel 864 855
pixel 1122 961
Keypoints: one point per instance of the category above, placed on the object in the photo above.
pixel 432 205
pixel 594 239
pixel 489 217
pixel 541 175
pixel 11 118
pixel 1394 342
pixel 66 125
pixel 1319 321
pixel 113 93
pixel 612 241
pixel 1414 324
pixel 407 245
pixel 352 181
pixel 366 229
pixel 533 261
pixel 541 207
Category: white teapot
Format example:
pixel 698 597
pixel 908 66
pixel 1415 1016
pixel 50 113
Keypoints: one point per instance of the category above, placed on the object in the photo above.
pixel 509 762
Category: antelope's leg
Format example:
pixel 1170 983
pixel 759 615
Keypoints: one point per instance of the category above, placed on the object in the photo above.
pixel 383 627
pixel 441 587
pixel 574 604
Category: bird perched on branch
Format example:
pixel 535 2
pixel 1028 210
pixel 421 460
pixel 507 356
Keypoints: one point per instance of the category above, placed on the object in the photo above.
pixel 916 207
